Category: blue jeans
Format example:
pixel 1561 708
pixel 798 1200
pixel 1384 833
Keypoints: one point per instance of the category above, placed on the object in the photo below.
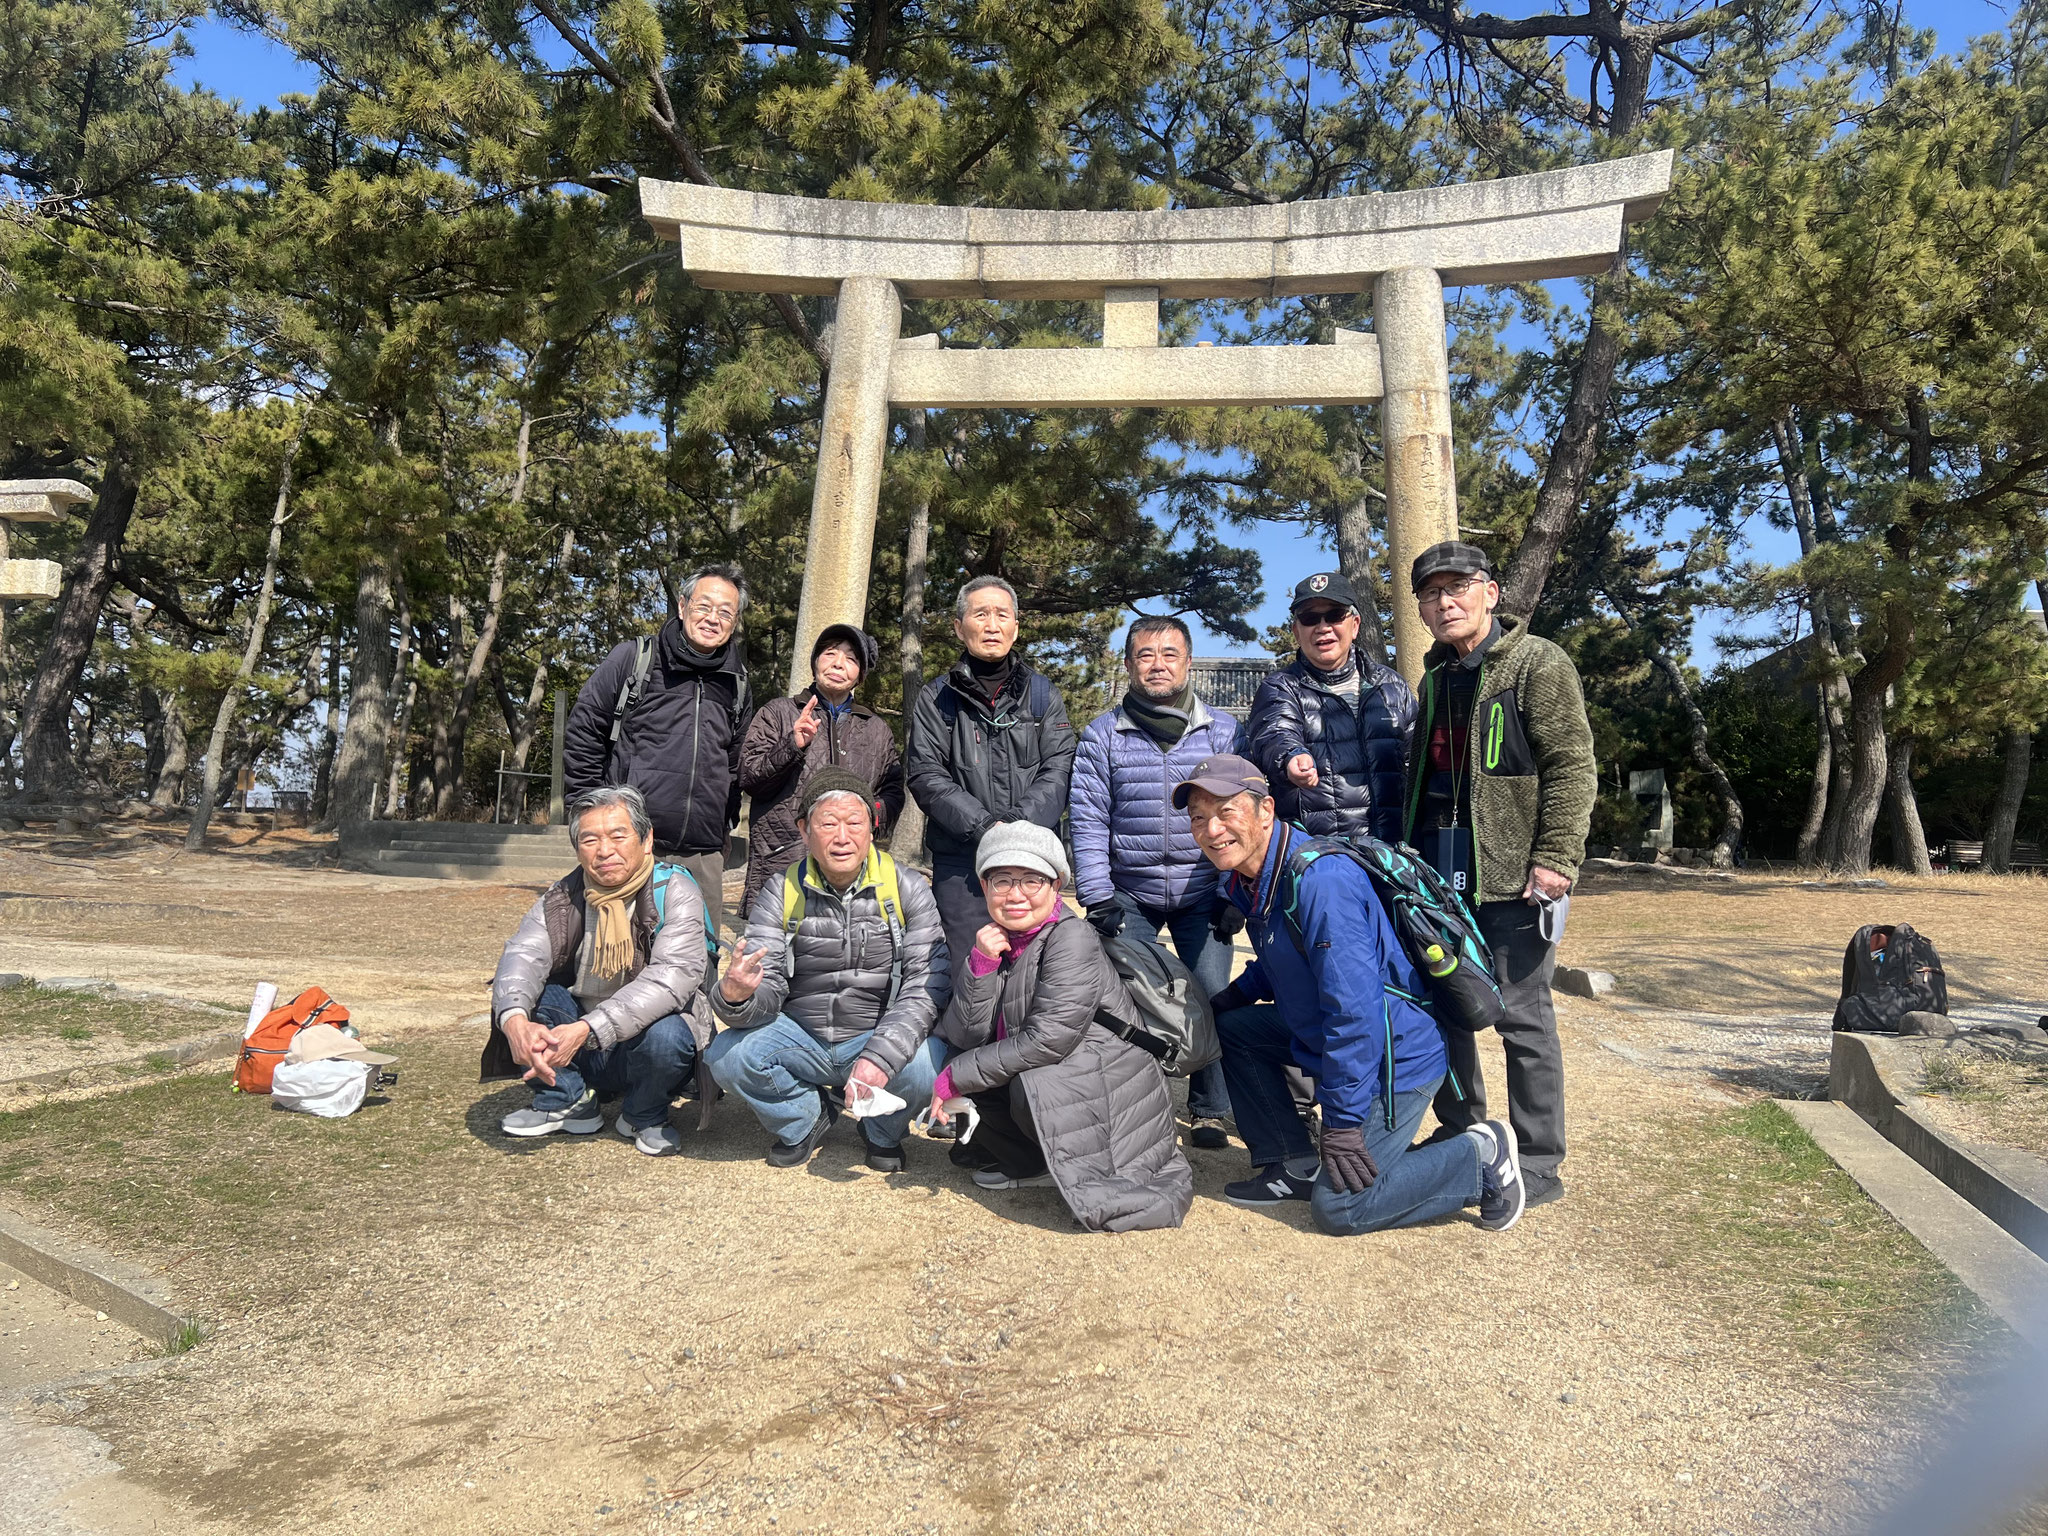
pixel 1414 1183
pixel 1208 960
pixel 647 1071
pixel 779 1068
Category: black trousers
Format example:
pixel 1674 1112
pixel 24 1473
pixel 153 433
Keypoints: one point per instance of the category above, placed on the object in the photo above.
pixel 963 910
pixel 1535 1060
pixel 1006 1135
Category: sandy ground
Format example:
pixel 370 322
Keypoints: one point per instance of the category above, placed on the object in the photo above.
pixel 423 1327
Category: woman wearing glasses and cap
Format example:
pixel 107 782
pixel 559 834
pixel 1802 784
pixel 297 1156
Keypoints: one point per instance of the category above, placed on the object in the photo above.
pixel 1062 1101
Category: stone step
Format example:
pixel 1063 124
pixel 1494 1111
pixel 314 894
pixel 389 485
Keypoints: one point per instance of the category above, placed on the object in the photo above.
pixel 469 848
pixel 469 831
pixel 429 867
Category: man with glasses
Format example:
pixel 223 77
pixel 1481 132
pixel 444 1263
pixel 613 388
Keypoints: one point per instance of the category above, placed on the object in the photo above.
pixel 989 742
pixel 1136 865
pixel 666 715
pixel 1501 782
pixel 1330 729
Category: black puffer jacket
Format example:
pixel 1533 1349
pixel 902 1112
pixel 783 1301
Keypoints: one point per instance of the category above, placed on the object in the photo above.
pixel 972 761
pixel 1361 754
pixel 680 746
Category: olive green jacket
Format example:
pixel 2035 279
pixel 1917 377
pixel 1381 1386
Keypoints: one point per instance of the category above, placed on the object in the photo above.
pixel 1533 772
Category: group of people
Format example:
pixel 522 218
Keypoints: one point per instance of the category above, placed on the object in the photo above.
pixel 858 987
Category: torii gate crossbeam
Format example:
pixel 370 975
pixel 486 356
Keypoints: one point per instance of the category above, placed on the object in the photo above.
pixel 1405 247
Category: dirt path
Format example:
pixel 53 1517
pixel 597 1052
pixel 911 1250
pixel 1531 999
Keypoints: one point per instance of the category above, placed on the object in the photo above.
pixel 425 1327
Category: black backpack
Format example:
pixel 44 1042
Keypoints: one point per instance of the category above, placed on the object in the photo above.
pixel 1888 972
pixel 1175 1024
pixel 636 684
pixel 1435 926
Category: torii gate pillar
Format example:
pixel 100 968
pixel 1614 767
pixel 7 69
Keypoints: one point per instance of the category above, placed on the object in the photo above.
pixel 1404 247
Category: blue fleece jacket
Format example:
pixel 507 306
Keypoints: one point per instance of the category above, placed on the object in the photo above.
pixel 1345 1000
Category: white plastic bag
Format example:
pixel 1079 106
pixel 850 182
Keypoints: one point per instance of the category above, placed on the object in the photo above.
pixel 956 1108
pixel 863 1100
pixel 331 1088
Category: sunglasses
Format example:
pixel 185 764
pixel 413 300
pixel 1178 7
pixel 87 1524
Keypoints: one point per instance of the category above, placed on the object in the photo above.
pixel 1316 618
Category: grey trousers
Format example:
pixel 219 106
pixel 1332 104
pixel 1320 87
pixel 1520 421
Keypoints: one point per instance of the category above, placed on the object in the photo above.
pixel 1535 1060
pixel 708 870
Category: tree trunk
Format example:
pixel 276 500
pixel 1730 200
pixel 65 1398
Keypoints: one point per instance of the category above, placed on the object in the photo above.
pixel 1909 838
pixel 168 793
pixel 330 727
pixel 448 795
pixel 259 626
pixel 1728 845
pixel 48 770
pixel 2012 793
pixel 907 841
pixel 1823 769
pixel 1355 550
pixel 406 686
pixel 359 769
pixel 1869 773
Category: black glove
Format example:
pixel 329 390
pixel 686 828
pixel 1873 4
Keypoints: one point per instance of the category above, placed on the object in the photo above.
pixel 1227 924
pixel 1228 1000
pixel 1345 1160
pixel 1107 918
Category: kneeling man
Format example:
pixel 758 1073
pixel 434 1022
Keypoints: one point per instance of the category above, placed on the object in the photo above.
pixel 1350 1010
pixel 599 990
pixel 838 982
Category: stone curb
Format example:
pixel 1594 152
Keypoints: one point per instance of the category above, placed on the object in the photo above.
pixel 90 1278
pixel 1863 1075
pixel 1997 1268
pixel 183 1053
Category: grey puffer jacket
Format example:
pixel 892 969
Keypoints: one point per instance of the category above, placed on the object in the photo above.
pixel 1100 1105
pixel 668 960
pixel 839 982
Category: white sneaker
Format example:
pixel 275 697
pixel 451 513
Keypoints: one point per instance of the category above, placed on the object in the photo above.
pixel 995 1178
pixel 656 1140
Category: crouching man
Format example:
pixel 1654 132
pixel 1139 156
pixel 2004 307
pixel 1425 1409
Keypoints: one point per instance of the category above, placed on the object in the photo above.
pixel 1344 1011
pixel 598 993
pixel 838 982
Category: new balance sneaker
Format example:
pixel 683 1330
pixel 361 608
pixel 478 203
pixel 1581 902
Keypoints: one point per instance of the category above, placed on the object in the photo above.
pixel 1209 1134
pixel 1271 1185
pixel 579 1119
pixel 995 1178
pixel 654 1140
pixel 783 1154
pixel 1501 1190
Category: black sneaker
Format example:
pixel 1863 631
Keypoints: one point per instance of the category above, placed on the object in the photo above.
pixel 1501 1190
pixel 882 1159
pixel 1543 1188
pixel 782 1154
pixel 1208 1134
pixel 967 1155
pixel 1271 1185
pixel 944 1130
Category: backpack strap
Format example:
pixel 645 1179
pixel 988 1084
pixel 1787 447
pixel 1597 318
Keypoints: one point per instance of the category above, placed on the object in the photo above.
pixel 657 887
pixel 1038 695
pixel 635 684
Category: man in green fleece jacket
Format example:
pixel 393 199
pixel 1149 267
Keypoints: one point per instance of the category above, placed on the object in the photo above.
pixel 1501 781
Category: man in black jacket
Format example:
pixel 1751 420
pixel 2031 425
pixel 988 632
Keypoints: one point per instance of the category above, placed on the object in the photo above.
pixel 989 742
pixel 674 733
pixel 1330 729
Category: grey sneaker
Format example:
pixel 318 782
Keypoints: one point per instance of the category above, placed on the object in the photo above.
pixel 995 1178
pixel 1502 1191
pixel 579 1119
pixel 655 1140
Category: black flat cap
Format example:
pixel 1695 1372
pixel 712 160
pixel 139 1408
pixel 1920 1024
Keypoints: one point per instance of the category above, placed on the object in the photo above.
pixel 1452 555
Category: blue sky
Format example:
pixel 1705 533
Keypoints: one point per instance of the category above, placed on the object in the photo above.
pixel 240 66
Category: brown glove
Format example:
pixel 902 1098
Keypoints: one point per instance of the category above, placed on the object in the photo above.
pixel 1345 1160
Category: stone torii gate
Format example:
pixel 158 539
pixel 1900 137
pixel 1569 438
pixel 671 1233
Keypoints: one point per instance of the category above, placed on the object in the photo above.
pixel 1403 246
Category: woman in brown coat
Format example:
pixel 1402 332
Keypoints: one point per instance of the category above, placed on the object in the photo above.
pixel 793 738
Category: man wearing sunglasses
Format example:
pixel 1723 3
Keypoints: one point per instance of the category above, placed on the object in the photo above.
pixel 1500 794
pixel 1330 729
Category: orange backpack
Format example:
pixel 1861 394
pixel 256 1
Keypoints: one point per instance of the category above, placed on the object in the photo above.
pixel 264 1049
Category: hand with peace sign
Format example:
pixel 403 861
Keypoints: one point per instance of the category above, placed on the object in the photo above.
pixel 743 976
pixel 806 725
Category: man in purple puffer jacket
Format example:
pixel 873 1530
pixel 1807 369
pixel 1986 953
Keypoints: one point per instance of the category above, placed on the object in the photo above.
pixel 1135 861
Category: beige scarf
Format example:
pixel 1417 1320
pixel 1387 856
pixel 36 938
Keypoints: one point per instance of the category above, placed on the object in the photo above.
pixel 609 910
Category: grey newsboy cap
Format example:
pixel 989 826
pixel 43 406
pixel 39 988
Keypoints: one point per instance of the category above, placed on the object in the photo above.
pixel 1022 845
pixel 1453 555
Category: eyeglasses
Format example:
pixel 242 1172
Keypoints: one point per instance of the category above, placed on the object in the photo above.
pixel 725 613
pixel 1317 618
pixel 1025 884
pixel 1454 590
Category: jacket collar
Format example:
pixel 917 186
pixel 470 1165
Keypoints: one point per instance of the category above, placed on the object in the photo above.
pixel 1256 900
pixel 1508 631
pixel 1370 672
pixel 853 705
pixel 870 875
pixel 675 651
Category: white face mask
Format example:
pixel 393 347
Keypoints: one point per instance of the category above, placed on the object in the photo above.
pixel 330 1089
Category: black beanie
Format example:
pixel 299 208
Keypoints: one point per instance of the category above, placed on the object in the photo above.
pixel 834 781
pixel 865 652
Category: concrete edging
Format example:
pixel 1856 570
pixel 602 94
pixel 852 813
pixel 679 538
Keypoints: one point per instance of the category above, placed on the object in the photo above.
pixel 1996 1267
pixel 91 1278
pixel 182 1053
pixel 1860 1075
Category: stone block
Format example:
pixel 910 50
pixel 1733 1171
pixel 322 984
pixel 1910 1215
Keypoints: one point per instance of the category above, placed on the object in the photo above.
pixel 1582 983
pixel 30 580
pixel 1073 377
pixel 40 501
pixel 1935 1026
pixel 9 980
